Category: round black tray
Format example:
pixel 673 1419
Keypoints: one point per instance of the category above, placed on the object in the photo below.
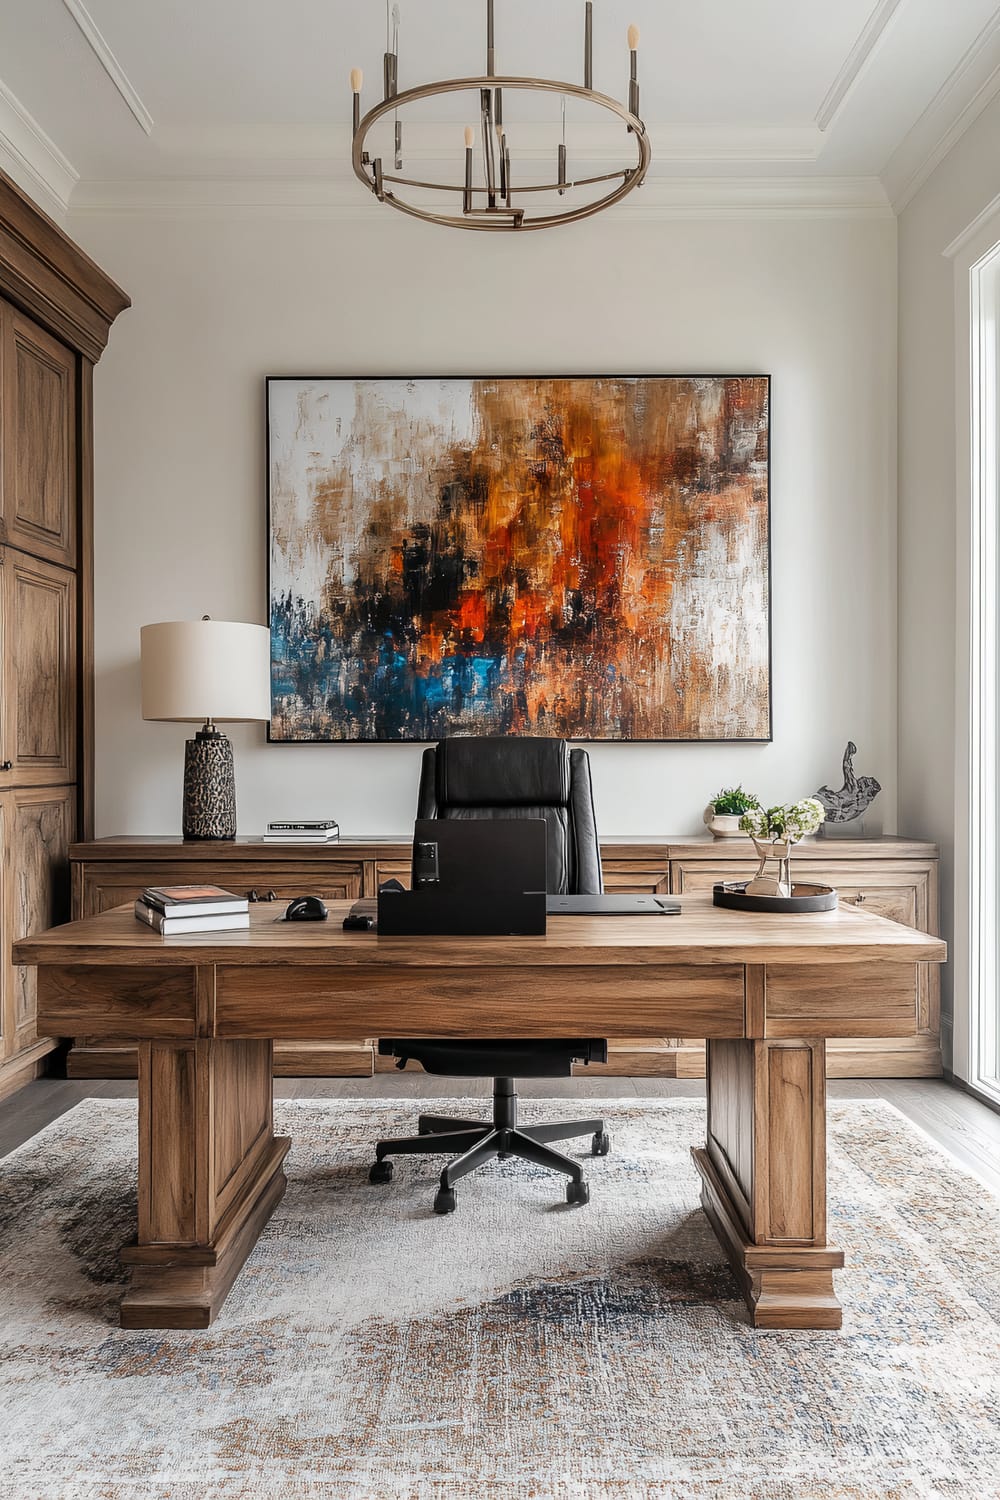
pixel 733 894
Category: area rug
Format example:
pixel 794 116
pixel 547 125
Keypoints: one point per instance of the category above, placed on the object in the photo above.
pixel 518 1348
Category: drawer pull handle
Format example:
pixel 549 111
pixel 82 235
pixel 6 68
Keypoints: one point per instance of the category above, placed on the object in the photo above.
pixel 6 765
pixel 252 896
pixel 271 896
pixel 860 899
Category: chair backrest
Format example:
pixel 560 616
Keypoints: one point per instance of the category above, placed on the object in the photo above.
pixel 507 777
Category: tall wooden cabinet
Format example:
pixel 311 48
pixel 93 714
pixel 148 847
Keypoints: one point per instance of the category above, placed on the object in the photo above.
pixel 56 310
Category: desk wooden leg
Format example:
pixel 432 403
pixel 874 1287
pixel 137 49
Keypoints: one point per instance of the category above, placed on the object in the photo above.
pixel 210 1174
pixel 763 1174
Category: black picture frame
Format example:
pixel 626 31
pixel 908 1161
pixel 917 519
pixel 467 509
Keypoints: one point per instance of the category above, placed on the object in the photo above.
pixel 270 380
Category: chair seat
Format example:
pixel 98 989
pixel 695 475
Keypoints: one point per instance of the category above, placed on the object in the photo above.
pixel 495 1057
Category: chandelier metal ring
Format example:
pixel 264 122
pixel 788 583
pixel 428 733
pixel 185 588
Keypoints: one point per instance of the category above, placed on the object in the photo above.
pixel 499 202
pixel 627 177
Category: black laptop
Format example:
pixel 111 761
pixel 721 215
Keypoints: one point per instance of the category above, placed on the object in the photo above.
pixel 475 877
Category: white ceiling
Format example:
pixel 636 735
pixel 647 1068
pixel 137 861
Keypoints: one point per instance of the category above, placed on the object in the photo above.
pixel 114 101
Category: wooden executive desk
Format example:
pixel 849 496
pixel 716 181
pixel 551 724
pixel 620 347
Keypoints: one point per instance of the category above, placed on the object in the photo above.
pixel 765 992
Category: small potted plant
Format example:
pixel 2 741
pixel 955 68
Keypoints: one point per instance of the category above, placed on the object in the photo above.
pixel 775 830
pixel 723 813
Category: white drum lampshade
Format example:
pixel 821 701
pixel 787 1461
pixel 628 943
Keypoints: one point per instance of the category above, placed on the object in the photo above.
pixel 207 672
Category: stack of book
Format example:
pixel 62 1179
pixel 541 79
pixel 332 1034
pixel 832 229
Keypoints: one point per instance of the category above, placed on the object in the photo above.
pixel 303 831
pixel 192 908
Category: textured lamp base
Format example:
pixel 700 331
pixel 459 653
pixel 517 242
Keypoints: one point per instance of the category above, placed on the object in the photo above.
pixel 209 787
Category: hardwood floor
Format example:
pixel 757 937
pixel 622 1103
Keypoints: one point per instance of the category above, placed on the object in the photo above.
pixel 966 1128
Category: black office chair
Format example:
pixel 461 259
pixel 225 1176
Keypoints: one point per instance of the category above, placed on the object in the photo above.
pixel 507 778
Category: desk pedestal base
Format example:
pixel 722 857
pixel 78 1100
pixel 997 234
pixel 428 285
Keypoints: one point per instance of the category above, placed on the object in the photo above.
pixel 763 1173
pixel 783 1288
pixel 186 1287
pixel 210 1176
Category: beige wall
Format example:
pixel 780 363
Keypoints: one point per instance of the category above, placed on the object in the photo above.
pixel 958 191
pixel 220 302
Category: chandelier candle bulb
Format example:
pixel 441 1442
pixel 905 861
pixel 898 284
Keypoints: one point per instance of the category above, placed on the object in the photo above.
pixel 357 78
pixel 633 82
pixel 470 136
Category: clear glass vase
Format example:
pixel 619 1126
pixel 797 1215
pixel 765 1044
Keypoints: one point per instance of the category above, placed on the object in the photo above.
pixel 774 873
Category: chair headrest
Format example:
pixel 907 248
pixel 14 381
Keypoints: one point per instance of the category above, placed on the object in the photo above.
pixel 502 771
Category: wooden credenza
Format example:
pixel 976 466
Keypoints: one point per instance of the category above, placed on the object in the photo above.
pixel 894 877
pixel 56 309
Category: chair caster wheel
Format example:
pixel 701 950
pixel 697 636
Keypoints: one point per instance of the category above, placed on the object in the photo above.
pixel 445 1201
pixel 577 1192
pixel 601 1144
pixel 381 1171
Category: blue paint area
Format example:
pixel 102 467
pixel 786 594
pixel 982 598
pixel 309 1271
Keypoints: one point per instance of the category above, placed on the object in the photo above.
pixel 366 683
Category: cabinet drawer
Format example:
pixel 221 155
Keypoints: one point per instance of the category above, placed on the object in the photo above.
pixel 636 877
pixel 112 885
pixel 897 902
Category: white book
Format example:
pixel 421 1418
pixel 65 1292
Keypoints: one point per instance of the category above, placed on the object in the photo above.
pixel 170 926
pixel 303 838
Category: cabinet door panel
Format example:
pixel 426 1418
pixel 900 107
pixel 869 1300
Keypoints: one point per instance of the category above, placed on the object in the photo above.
pixel 39 825
pixel 37 614
pixel 39 460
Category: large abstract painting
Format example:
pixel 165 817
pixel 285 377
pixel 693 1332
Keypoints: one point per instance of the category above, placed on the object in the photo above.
pixel 584 557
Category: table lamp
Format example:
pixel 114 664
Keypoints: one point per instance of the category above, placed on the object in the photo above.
pixel 207 672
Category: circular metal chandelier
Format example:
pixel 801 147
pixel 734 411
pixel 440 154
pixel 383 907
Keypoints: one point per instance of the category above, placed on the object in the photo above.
pixel 498 199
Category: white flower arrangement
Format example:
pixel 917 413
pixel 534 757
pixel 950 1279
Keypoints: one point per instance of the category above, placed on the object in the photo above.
pixel 784 824
pixel 774 830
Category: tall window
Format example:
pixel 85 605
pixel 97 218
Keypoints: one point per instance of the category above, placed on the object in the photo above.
pixel 982 768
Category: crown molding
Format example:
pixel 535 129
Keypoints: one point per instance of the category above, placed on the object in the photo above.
pixel 332 198
pixel 29 156
pixel 109 62
pixel 961 99
pixel 856 62
pixel 972 231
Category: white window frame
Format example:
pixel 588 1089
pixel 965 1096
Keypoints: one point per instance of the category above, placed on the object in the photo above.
pixel 976 948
